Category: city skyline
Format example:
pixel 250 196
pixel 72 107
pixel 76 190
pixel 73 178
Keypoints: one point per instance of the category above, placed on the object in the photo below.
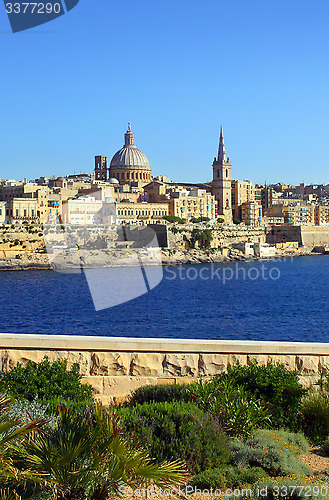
pixel 257 69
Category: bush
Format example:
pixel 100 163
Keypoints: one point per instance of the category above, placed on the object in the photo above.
pixel 325 447
pixel 227 477
pixel 276 452
pixel 200 219
pixel 50 383
pixel 204 238
pixel 159 394
pixel 297 488
pixel 178 430
pixel 236 411
pixel 276 385
pixel 315 412
pixel 174 218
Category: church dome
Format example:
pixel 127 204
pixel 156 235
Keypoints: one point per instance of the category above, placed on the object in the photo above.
pixel 113 180
pixel 129 157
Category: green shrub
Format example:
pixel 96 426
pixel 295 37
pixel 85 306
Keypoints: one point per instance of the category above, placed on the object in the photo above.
pixel 199 219
pixel 325 447
pixel 159 394
pixel 315 412
pixel 50 383
pixel 227 477
pixel 204 238
pixel 276 452
pixel 276 385
pixel 237 412
pixel 296 488
pixel 174 218
pixel 178 430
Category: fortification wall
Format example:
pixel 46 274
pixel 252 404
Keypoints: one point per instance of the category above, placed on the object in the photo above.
pixel 179 236
pixel 309 236
pixel 314 235
pixel 117 366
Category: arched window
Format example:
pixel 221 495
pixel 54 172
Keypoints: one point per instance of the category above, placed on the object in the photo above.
pixel 218 173
pixel 226 173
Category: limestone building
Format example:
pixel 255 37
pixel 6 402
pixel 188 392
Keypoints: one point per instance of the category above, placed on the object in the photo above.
pixel 221 184
pixel 129 164
pixel 242 192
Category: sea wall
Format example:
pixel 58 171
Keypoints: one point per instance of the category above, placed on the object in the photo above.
pixel 117 366
pixel 309 236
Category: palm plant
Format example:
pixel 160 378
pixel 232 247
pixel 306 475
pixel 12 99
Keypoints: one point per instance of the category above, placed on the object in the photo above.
pixel 87 456
pixel 13 436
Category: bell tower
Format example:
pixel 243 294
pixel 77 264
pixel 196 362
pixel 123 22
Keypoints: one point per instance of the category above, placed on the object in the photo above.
pixel 221 183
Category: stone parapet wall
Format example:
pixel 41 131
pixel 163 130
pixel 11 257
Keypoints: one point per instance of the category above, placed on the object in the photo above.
pixel 117 366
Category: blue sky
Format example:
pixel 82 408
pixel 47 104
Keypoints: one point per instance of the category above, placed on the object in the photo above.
pixel 177 70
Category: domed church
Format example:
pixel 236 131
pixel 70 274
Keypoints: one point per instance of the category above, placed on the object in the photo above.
pixel 129 164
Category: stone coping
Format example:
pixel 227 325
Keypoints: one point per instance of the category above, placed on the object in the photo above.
pixel 122 344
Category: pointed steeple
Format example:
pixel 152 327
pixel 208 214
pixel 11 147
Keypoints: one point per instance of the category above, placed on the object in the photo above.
pixel 221 148
pixel 129 137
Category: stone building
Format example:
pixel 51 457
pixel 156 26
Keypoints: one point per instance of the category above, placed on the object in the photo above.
pixel 242 192
pixel 221 183
pixel 321 215
pixel 140 213
pixel 2 212
pixel 251 213
pixel 192 204
pixel 19 210
pixel 129 164
pixel 82 211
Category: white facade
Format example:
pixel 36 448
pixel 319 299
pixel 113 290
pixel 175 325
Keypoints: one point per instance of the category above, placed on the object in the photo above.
pixel 82 211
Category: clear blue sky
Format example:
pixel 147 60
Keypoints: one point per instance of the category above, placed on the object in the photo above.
pixel 177 70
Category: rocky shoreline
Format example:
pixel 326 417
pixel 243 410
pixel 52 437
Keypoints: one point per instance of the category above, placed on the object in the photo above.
pixel 40 261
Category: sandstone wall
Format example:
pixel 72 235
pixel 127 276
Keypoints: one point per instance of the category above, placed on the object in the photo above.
pixel 223 236
pixel 117 366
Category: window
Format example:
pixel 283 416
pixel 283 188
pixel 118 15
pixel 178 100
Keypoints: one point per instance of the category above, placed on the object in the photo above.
pixel 24 212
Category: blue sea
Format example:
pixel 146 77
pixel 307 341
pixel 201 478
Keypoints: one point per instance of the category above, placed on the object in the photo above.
pixel 285 300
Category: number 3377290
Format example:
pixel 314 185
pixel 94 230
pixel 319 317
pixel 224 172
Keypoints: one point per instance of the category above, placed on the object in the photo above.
pixel 33 8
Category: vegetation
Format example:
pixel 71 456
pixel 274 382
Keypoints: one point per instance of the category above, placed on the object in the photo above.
pixel 230 431
pixel 203 237
pixel 174 218
pixel 87 456
pixel 236 221
pixel 275 385
pixel 178 430
pixel 294 488
pixel 276 452
pixel 49 383
pixel 237 412
pixel 227 477
pixel 160 394
pixel 315 412
pixel 200 219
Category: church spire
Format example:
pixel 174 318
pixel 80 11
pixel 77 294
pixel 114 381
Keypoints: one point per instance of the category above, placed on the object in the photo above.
pixel 221 148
